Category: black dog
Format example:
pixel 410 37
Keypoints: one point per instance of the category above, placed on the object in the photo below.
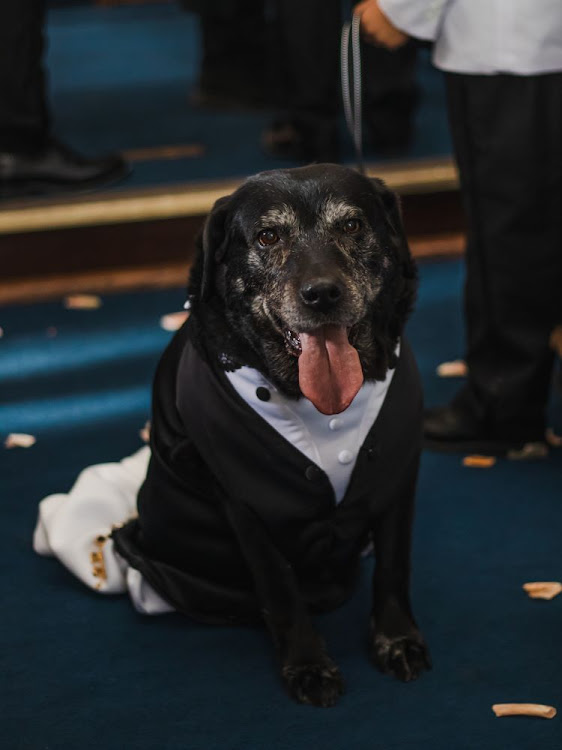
pixel 304 275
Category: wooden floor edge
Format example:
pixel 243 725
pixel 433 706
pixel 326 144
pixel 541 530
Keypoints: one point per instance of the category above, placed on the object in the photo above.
pixel 192 200
pixel 112 281
pixel 441 246
pixel 165 276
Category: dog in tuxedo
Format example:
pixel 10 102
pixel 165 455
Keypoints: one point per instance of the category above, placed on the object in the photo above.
pixel 286 425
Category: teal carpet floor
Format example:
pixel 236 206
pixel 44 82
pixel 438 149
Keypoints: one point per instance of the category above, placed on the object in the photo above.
pixel 81 671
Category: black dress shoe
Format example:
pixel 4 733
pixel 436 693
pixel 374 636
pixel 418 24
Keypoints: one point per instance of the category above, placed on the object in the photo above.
pixel 55 167
pixel 452 429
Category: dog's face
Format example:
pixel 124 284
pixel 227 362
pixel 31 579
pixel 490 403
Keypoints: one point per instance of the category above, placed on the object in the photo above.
pixel 305 274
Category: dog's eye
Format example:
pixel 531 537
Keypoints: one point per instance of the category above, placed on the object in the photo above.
pixel 268 237
pixel 351 226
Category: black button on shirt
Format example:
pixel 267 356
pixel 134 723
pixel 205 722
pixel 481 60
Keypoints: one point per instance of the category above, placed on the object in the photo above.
pixel 372 451
pixel 312 472
pixel 263 393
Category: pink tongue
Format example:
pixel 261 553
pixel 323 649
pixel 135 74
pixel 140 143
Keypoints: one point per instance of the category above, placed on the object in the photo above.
pixel 330 372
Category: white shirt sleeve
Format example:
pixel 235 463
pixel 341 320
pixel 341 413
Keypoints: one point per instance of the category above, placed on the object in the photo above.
pixel 418 18
pixel 520 37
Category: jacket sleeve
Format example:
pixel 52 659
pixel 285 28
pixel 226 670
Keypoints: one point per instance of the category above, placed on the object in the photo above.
pixel 421 19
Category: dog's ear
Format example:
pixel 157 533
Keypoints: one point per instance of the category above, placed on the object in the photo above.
pixel 391 205
pixel 409 274
pixel 393 217
pixel 214 242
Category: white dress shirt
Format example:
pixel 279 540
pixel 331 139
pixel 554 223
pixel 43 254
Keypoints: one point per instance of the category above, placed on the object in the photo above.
pixel 331 442
pixel 522 37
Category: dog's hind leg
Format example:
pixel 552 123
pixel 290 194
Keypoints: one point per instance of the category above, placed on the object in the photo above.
pixel 309 674
pixel 396 645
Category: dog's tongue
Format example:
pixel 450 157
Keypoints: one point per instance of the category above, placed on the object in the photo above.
pixel 330 372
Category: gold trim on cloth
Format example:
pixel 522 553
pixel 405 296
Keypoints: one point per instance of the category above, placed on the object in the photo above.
pixel 98 563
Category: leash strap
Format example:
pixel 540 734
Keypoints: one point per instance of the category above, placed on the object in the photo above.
pixel 351 79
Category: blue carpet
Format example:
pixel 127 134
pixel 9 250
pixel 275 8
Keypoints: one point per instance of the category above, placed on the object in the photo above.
pixel 121 78
pixel 79 671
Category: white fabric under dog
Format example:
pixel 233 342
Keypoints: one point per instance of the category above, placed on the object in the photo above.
pixel 69 524
pixel 105 495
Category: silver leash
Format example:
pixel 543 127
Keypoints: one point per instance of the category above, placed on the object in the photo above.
pixel 352 109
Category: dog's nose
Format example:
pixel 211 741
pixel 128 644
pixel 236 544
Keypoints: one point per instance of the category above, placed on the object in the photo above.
pixel 321 294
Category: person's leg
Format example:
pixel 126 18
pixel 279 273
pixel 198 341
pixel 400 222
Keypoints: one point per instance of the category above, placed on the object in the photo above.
pixel 31 160
pixel 390 95
pixel 506 131
pixel 308 58
pixel 235 54
pixel 24 120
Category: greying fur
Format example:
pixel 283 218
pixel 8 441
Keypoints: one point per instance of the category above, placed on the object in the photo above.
pixel 257 289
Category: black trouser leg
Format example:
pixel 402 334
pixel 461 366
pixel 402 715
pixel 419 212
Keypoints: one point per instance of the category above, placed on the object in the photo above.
pixel 24 120
pixel 507 137
pixel 235 54
pixel 389 94
pixel 308 50
pixel 308 70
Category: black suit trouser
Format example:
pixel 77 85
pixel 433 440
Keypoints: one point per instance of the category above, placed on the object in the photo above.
pixel 507 137
pixel 307 39
pixel 24 120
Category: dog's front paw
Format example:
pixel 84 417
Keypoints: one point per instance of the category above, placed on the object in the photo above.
pixel 402 656
pixel 318 684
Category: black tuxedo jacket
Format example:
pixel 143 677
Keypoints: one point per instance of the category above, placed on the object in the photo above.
pixel 226 495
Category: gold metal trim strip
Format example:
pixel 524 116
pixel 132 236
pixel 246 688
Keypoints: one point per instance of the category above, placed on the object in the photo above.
pixel 189 200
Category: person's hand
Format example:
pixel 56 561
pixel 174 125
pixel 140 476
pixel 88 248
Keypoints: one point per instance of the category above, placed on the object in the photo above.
pixel 378 28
